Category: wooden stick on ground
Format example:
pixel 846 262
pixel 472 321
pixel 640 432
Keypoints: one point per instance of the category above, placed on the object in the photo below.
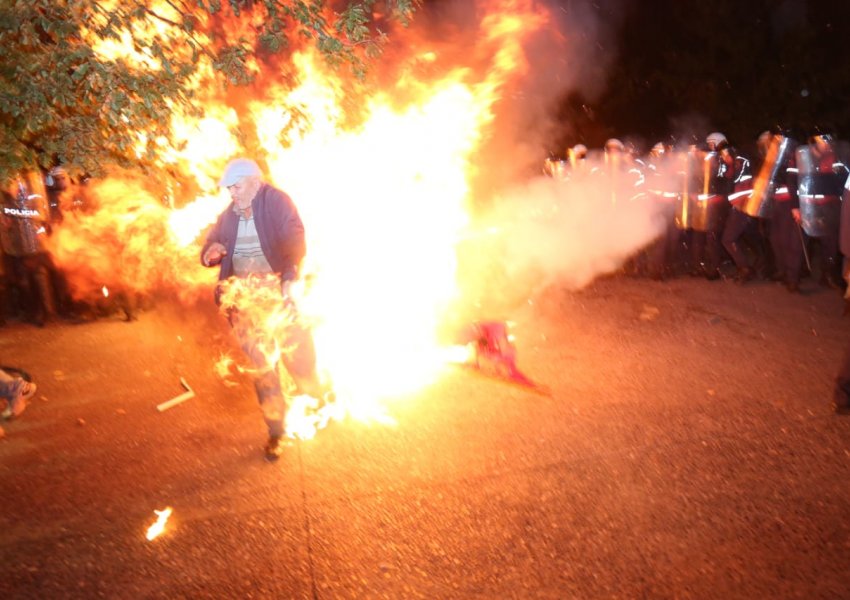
pixel 177 399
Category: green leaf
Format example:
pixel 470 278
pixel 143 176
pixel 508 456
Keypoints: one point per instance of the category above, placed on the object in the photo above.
pixel 80 71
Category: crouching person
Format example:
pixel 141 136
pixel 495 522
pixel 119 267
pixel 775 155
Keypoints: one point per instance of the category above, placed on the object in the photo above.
pixel 17 392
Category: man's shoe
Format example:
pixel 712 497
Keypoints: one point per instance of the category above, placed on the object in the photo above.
pixel 19 403
pixel 274 448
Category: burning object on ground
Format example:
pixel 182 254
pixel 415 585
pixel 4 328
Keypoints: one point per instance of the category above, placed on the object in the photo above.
pixel 492 350
pixel 159 526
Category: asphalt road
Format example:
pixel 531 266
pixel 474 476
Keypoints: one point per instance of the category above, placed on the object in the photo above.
pixel 687 450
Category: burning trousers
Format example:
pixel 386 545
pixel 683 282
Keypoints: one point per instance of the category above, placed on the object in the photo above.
pixel 296 352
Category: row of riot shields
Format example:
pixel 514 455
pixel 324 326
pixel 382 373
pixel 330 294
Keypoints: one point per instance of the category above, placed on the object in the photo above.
pixel 613 179
pixel 692 202
pixel 820 183
pixel 683 184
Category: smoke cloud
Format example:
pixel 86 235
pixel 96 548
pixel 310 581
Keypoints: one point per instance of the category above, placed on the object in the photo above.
pixel 550 232
pixel 531 231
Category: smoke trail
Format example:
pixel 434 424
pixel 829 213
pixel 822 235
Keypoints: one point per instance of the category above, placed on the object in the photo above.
pixel 547 232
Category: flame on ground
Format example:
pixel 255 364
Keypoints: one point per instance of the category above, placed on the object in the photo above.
pixel 159 526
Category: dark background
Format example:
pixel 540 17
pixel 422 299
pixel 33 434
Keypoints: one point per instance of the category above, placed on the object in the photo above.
pixel 737 67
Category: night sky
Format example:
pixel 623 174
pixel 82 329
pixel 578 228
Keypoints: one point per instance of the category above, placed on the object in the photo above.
pixel 739 67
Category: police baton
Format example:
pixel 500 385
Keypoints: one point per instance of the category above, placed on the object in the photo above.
pixel 803 244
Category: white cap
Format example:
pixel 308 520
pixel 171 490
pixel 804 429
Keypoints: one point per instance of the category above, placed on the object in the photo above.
pixel 237 169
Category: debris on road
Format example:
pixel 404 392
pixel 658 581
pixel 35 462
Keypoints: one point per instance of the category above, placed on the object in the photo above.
pixel 649 313
pixel 492 350
pixel 189 393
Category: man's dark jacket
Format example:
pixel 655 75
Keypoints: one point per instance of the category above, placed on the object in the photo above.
pixel 279 229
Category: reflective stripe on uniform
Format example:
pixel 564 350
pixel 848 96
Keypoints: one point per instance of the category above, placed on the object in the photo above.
pixel 737 195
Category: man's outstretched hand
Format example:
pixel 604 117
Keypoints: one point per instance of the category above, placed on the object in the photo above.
pixel 214 254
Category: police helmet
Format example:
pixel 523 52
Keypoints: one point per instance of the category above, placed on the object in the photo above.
pixel 613 144
pixel 714 139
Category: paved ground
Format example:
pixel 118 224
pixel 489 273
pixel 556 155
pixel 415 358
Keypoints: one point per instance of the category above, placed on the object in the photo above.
pixel 687 450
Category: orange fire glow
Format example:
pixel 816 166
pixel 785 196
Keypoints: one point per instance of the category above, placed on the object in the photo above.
pixel 159 526
pixel 384 199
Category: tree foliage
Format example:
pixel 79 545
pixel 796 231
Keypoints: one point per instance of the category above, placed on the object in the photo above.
pixel 91 83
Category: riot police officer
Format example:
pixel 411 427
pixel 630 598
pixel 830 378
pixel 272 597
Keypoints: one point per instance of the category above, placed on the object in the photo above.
pixel 821 181
pixel 778 180
pixel 708 207
pixel 22 232
pixel 663 190
pixel 740 221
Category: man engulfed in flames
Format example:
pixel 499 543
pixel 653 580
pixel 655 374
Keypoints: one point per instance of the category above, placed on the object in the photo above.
pixel 404 183
pixel 258 241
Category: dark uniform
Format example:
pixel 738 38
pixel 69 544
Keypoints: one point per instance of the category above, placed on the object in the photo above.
pixel 821 180
pixel 844 242
pixel 663 189
pixel 739 223
pixel 22 233
pixel 841 394
pixel 708 210
pixel 786 237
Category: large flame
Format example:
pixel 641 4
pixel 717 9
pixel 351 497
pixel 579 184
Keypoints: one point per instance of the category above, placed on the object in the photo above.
pixel 384 198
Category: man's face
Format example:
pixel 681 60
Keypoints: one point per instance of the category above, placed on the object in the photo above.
pixel 242 192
